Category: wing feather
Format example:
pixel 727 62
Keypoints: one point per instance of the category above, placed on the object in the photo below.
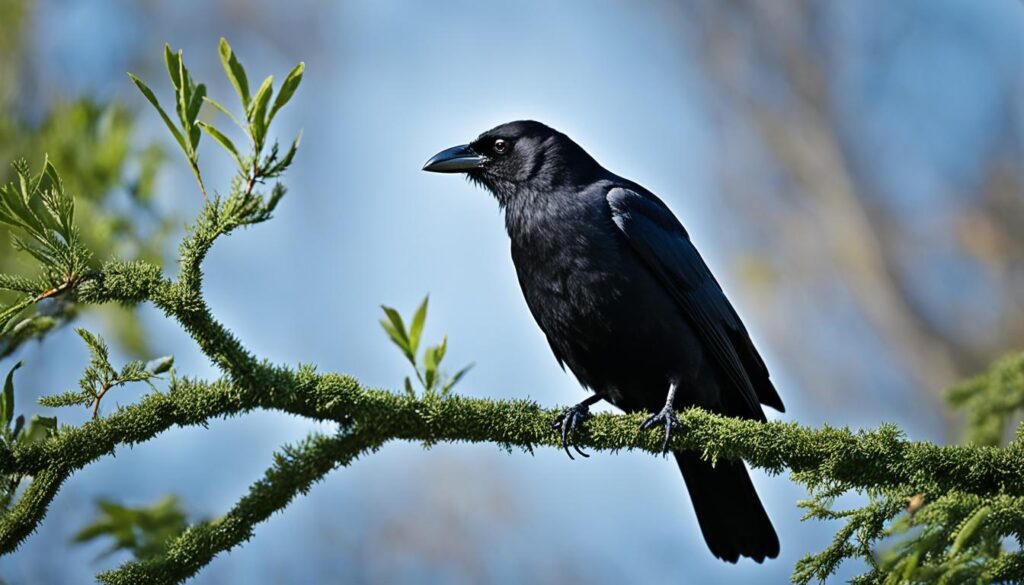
pixel 665 247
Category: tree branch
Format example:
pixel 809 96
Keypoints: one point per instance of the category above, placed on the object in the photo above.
pixel 857 460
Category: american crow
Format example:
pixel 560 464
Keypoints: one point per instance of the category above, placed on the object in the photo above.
pixel 627 302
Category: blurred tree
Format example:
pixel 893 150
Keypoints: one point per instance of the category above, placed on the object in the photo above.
pixel 143 530
pixel 804 95
pixel 101 162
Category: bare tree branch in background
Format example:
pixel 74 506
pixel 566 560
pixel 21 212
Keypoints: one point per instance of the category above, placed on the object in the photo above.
pixel 772 70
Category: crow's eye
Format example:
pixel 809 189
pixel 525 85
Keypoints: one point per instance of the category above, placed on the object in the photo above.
pixel 500 146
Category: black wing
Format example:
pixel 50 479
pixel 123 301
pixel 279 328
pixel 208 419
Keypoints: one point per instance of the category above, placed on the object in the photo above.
pixel 663 244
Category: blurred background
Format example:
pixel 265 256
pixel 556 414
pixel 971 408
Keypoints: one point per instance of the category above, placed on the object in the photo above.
pixel 852 172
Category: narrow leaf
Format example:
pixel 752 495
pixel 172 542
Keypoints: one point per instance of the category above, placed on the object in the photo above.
pixel 258 109
pixel 11 312
pixel 224 111
pixel 416 327
pixel 431 377
pixel 430 367
pixel 223 141
pixel 288 87
pixel 160 365
pixel 441 350
pixel 7 404
pixel 396 321
pixel 173 62
pixel 235 72
pixel 156 104
pixel 196 102
pixel 455 379
pixel 398 339
pixel 408 388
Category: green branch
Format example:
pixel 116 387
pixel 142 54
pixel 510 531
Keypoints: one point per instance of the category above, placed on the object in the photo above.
pixel 857 460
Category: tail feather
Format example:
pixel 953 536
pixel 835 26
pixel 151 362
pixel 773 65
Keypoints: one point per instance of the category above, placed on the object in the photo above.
pixel 729 512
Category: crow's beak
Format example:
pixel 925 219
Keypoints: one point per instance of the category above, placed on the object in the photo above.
pixel 457 159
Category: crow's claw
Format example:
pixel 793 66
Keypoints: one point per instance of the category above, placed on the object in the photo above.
pixel 567 422
pixel 666 417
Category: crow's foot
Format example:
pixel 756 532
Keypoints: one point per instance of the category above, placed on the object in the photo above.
pixel 666 417
pixel 567 422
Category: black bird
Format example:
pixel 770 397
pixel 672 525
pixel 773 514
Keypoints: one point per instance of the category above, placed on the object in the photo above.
pixel 627 302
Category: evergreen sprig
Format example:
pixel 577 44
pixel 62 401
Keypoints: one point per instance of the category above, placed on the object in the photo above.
pixel 38 207
pixel 100 377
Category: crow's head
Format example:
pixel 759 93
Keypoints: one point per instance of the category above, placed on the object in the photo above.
pixel 517 157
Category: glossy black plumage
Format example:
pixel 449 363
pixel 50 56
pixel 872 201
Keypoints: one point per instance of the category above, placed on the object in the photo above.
pixel 628 304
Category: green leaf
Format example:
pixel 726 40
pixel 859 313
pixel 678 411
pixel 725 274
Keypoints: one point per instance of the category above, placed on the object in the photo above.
pixel 7 404
pixel 49 179
pixel 441 350
pixel 288 87
pixel 160 365
pixel 430 367
pixel 258 109
pixel 173 62
pixel 223 141
pixel 455 379
pixel 408 388
pixel 416 327
pixel 15 309
pixel 163 115
pixel 182 96
pixel 224 111
pixel 235 72
pixel 16 206
pixel 395 320
pixel 196 102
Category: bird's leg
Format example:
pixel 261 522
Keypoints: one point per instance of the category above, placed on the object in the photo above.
pixel 666 417
pixel 570 418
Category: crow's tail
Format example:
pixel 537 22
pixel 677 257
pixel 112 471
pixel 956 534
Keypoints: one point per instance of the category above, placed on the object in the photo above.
pixel 729 512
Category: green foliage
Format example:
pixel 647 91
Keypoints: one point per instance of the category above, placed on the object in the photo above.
pixel 145 531
pixel 991 401
pixel 101 162
pixel 14 432
pixel 90 143
pixel 433 381
pixel 39 207
pixel 100 377
pixel 943 534
pixel 188 99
